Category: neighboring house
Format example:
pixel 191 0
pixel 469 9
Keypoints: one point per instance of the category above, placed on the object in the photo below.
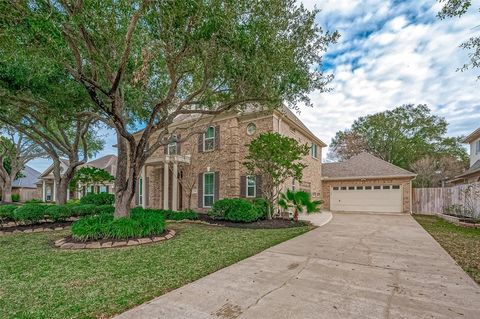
pixel 26 186
pixel 472 174
pixel 212 161
pixel 365 183
pixel 47 183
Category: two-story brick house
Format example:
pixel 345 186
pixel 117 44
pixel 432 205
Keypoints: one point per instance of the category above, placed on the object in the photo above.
pixel 206 167
pixel 472 174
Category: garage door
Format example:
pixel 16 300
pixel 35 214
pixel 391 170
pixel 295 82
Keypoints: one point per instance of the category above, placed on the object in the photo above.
pixel 374 198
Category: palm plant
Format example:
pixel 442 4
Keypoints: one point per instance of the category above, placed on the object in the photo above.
pixel 299 201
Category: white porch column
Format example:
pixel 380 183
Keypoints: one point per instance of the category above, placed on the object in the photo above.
pixel 54 190
pixel 165 183
pixel 175 187
pixel 68 193
pixel 44 188
pixel 144 186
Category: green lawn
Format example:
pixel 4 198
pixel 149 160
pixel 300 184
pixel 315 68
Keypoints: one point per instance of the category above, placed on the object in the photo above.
pixel 38 281
pixel 463 244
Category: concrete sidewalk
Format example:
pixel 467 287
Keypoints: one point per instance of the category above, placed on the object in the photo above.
pixel 356 266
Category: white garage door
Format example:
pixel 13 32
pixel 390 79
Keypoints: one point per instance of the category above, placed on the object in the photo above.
pixel 374 198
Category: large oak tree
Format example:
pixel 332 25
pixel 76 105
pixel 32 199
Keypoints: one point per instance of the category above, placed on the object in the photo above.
pixel 401 136
pixel 150 61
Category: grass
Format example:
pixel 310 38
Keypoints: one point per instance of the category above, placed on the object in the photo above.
pixel 463 244
pixel 38 281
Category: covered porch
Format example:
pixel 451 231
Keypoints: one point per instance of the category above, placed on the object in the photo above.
pixel 159 183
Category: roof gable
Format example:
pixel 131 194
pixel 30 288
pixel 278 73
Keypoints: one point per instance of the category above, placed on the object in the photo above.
pixel 363 165
pixel 30 177
pixel 472 136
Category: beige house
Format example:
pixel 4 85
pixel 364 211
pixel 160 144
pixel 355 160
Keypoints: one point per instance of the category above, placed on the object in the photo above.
pixel 26 186
pixel 472 174
pixel 207 167
pixel 365 183
pixel 47 185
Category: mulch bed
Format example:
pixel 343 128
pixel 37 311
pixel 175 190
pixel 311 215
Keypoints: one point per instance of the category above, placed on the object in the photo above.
pixel 34 228
pixel 71 243
pixel 261 224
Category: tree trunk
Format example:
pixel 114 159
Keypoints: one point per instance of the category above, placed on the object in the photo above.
pixel 295 215
pixel 7 190
pixel 124 180
pixel 61 191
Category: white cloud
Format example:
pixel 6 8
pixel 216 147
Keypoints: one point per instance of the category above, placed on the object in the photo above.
pixel 400 54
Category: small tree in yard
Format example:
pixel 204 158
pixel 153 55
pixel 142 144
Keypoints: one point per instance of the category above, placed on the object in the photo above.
pixel 276 158
pixel 93 176
pixel 299 201
pixel 15 151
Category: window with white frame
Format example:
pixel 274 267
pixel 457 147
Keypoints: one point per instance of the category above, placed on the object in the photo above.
pixel 477 147
pixel 172 148
pixel 103 189
pixel 314 150
pixel 209 139
pixel 140 191
pixel 251 186
pixel 208 189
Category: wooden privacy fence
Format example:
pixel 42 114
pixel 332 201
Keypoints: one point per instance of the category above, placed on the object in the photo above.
pixel 435 200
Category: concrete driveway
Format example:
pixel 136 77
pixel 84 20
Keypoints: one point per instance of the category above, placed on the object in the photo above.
pixel 357 266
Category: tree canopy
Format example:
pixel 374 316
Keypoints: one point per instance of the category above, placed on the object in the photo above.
pixel 144 61
pixel 91 176
pixel 457 8
pixel 400 136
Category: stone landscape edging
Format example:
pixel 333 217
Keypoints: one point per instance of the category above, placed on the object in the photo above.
pixel 64 243
pixel 456 220
pixel 33 229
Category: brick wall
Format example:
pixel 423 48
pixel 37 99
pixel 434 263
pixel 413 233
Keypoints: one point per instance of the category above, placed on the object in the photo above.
pixel 228 158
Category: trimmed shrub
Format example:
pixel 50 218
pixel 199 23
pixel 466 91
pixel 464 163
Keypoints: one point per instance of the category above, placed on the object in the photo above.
pixel 98 199
pixel 6 211
pixel 34 201
pixel 186 214
pixel 15 198
pixel 58 212
pixel 73 202
pixel 235 210
pixel 30 213
pixel 261 205
pixel 140 224
pixel 105 209
pixel 83 210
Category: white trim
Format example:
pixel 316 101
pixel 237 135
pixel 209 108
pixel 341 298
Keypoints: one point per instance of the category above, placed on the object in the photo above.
pixel 254 186
pixel 367 177
pixel 213 194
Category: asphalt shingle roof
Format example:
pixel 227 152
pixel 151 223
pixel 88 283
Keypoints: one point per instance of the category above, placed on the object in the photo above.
pixel 473 169
pixel 363 165
pixel 30 177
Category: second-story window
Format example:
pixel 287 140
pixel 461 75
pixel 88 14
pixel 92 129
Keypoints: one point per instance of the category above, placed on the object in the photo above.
pixel 313 150
pixel 172 148
pixel 477 150
pixel 209 139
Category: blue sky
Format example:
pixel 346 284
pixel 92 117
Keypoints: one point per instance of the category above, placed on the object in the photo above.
pixel 390 53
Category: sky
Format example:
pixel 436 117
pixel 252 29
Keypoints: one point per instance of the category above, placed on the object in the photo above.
pixel 390 53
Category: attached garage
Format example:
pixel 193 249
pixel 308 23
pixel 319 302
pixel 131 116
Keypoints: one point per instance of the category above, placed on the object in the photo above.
pixel 365 183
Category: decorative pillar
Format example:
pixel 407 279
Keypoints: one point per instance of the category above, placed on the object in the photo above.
pixel 144 186
pixel 175 187
pixel 44 188
pixel 165 183
pixel 54 190
pixel 68 193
